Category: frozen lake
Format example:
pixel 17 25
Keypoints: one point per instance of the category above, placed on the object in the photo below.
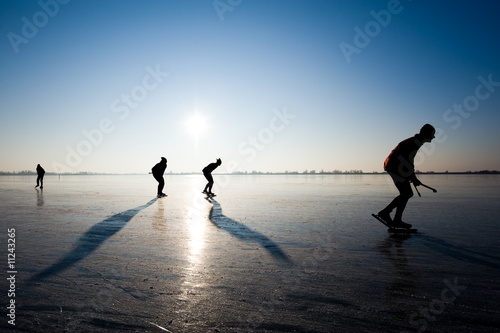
pixel 284 253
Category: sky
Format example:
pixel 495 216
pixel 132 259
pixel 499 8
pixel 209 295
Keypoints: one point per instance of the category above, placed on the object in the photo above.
pixel 112 86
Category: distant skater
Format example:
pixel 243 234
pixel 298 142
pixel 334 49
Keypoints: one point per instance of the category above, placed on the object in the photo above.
pixel 40 172
pixel 158 170
pixel 399 165
pixel 207 172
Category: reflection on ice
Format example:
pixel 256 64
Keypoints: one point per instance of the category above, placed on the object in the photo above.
pixel 195 219
pixel 196 227
pixel 403 274
pixel 159 217
pixel 39 197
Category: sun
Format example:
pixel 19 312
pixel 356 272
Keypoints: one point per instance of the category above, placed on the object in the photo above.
pixel 196 125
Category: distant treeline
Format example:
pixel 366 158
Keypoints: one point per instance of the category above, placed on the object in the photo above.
pixel 360 172
pixel 305 172
pixel 33 173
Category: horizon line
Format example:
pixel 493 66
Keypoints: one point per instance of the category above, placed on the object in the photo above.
pixel 254 172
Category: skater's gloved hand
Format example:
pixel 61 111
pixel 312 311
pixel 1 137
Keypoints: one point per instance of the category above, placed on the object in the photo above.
pixel 416 182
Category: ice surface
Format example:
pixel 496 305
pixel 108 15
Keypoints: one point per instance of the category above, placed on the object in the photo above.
pixel 268 254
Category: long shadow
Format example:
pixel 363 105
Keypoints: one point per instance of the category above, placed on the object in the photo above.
pixel 460 253
pixel 241 231
pixel 91 240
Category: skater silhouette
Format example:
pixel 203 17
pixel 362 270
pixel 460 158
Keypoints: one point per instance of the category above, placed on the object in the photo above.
pixel 207 172
pixel 39 180
pixel 158 170
pixel 399 165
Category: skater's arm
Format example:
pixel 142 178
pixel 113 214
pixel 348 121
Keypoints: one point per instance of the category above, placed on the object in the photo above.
pixel 414 180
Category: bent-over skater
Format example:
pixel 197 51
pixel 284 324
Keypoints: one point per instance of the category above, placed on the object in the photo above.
pixel 158 171
pixel 399 165
pixel 39 179
pixel 207 172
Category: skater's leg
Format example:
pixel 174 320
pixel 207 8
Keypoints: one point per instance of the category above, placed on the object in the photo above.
pixel 399 202
pixel 207 176
pixel 210 182
pixel 405 194
pixel 385 214
pixel 41 181
pixel 161 183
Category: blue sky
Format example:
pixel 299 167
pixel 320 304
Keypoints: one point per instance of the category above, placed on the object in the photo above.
pixel 111 86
